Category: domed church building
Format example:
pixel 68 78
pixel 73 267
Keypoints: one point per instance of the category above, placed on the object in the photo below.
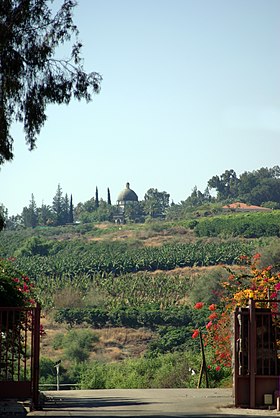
pixel 126 196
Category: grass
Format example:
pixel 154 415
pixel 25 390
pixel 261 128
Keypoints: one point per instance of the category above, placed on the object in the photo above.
pixel 113 344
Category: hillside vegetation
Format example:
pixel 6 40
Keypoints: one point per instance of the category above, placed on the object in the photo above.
pixel 118 300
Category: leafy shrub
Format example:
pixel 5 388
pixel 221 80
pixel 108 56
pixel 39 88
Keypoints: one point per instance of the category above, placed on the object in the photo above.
pixel 94 376
pixel 76 344
pixel 163 371
pixel 207 286
pixel 125 317
pixel 170 339
pixel 47 372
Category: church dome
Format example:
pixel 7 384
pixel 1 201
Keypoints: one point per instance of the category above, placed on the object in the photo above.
pixel 127 195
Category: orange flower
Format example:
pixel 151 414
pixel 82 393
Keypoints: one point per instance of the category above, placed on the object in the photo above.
pixel 198 305
pixel 256 256
pixel 195 333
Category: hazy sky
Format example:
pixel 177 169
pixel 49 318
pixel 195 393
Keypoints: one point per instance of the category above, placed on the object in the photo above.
pixel 190 89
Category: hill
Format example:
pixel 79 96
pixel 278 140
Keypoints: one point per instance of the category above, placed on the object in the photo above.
pixel 123 295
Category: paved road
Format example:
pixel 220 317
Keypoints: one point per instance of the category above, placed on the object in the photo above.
pixel 144 403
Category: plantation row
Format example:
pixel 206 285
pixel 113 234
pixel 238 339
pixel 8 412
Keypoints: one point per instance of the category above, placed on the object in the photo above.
pixel 254 225
pixel 130 289
pixel 115 260
pixel 125 317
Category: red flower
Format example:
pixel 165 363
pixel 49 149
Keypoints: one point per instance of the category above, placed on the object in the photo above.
pixel 209 325
pixel 257 256
pixel 198 305
pixel 195 333
pixel 42 331
pixel 25 287
pixel 213 315
pixel 218 368
pixel 212 307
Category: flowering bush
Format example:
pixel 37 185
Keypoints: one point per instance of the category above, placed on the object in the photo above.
pixel 251 282
pixel 16 290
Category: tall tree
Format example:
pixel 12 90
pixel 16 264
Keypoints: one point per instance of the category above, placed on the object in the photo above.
pixel 71 211
pixel 3 216
pixel 156 203
pixel 260 186
pixel 65 209
pixel 31 73
pixel 96 198
pixel 108 196
pixel 45 215
pixel 226 185
pixel 30 214
pixel 57 206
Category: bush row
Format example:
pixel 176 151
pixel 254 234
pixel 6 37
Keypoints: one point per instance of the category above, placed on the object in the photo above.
pixel 124 317
pixel 254 225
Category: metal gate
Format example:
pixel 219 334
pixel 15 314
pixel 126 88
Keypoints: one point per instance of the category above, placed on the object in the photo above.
pixel 19 353
pixel 256 354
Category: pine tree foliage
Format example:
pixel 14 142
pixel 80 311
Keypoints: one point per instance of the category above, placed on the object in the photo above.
pixel 31 74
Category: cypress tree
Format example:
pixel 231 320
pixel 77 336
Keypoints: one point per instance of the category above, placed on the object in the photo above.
pixel 96 198
pixel 108 196
pixel 71 215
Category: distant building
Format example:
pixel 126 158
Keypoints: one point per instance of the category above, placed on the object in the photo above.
pixel 243 207
pixel 126 196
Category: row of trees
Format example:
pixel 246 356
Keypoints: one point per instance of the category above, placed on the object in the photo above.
pixel 257 187
pixel 260 187
pixel 62 210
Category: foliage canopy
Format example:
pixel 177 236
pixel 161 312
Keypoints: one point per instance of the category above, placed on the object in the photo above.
pixel 31 74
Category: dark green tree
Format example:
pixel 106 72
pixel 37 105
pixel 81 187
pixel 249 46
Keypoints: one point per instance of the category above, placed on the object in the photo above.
pixel 65 209
pixel 134 212
pixel 156 203
pixel 196 198
pixel 45 215
pixel 13 223
pixel 3 216
pixel 30 214
pixel 96 198
pixel 57 207
pixel 71 211
pixel 260 186
pixel 108 196
pixel 31 73
pixel 226 185
pixel 86 207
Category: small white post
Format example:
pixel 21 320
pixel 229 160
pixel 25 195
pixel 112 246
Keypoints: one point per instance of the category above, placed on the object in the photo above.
pixel 57 374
